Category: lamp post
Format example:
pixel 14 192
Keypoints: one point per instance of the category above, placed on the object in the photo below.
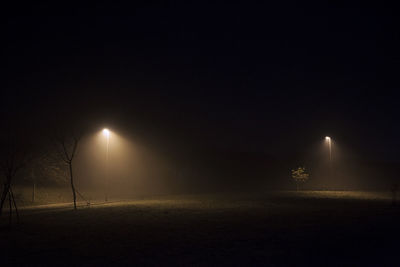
pixel 329 141
pixel 106 133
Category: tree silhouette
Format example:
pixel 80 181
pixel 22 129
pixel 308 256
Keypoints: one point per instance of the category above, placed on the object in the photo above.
pixel 67 144
pixel 14 154
pixel 300 176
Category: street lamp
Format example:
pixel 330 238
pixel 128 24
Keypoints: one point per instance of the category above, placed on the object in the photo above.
pixel 106 133
pixel 329 140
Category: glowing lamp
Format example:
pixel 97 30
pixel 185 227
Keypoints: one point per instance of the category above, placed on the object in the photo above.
pixel 106 132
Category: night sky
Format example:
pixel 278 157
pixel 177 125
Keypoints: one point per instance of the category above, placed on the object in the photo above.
pixel 272 78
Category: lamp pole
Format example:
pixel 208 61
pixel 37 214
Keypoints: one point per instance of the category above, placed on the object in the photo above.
pixel 329 140
pixel 106 132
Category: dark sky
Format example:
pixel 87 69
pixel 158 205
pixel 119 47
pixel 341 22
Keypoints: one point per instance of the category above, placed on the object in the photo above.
pixel 272 77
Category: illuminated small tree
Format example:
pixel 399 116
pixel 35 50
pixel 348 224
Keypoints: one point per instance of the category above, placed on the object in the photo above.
pixel 300 176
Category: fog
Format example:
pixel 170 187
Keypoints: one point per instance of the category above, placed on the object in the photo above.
pixel 348 169
pixel 143 165
pixel 130 169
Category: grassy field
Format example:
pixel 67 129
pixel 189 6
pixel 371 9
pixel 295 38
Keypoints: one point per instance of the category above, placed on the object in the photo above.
pixel 276 229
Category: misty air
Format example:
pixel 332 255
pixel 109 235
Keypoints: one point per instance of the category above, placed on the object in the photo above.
pixel 200 134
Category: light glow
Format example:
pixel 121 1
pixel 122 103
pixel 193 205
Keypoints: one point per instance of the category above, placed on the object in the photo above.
pixel 106 132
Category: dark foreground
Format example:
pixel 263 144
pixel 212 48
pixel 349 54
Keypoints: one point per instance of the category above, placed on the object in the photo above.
pixel 277 229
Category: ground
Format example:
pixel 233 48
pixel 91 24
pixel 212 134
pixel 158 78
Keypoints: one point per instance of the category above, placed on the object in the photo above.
pixel 278 229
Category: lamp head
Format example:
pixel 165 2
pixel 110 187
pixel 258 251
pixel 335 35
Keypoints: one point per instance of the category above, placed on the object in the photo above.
pixel 106 132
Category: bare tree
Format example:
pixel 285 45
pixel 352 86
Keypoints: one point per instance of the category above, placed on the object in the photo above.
pixel 67 144
pixel 13 157
pixel 46 166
